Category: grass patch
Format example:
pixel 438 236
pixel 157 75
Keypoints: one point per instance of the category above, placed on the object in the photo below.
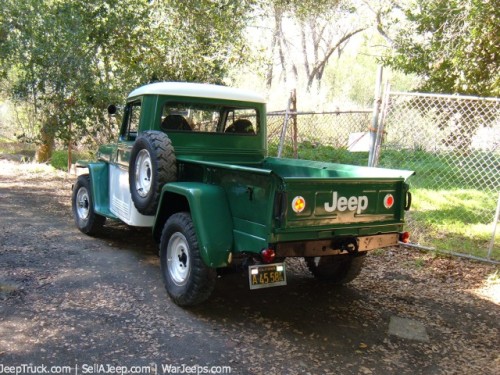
pixel 312 151
pixel 457 220
pixel 419 263
pixel 448 170
pixel 59 159
pixel 454 198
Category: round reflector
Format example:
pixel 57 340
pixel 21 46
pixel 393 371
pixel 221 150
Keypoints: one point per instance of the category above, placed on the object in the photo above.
pixel 298 204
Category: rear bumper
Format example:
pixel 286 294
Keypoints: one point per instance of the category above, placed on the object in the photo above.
pixel 332 246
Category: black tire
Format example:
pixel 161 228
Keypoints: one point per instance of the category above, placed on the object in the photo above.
pixel 152 164
pixel 186 277
pixel 336 269
pixel 83 207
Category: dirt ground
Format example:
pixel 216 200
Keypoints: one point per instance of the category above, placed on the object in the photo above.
pixel 86 302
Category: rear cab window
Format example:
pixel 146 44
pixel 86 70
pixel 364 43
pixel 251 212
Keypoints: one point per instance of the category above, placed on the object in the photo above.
pixel 209 118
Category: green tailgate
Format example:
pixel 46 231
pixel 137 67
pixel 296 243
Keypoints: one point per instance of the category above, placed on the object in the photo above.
pixel 323 200
pixel 341 207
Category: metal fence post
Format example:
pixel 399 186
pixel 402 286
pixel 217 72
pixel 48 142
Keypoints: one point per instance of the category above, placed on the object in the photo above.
pixel 495 222
pixel 376 110
pixel 293 109
pixel 380 129
pixel 285 126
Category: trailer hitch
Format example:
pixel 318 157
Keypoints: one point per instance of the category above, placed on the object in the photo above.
pixel 349 244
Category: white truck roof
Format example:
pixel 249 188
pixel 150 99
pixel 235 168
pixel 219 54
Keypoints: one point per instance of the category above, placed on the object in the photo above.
pixel 200 90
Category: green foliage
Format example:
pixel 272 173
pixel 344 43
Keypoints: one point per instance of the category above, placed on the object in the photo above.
pixel 65 61
pixel 452 44
pixel 59 159
pixel 305 9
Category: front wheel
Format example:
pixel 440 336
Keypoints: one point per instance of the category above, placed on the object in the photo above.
pixel 335 269
pixel 186 277
pixel 83 208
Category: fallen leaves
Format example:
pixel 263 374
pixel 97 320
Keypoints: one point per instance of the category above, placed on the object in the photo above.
pixel 102 299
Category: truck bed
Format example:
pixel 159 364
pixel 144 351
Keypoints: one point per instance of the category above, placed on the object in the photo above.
pixel 339 200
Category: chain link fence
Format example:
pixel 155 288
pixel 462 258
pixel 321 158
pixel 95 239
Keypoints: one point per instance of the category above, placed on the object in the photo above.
pixel 318 136
pixel 453 144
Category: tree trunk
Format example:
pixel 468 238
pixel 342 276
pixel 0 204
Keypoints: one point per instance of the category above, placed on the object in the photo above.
pixel 44 151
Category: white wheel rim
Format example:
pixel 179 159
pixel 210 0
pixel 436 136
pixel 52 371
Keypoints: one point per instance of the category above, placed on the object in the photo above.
pixel 143 173
pixel 178 261
pixel 82 203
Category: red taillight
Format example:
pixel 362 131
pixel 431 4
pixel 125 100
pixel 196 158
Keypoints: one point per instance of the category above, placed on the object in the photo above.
pixel 404 237
pixel 388 201
pixel 268 255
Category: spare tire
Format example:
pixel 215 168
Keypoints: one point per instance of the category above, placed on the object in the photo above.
pixel 152 164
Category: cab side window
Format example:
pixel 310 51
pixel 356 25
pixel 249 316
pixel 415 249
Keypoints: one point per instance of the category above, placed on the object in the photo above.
pixel 131 121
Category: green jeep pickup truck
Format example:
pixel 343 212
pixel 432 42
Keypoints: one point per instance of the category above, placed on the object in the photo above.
pixel 191 163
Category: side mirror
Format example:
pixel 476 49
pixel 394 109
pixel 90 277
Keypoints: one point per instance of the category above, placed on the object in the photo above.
pixel 112 109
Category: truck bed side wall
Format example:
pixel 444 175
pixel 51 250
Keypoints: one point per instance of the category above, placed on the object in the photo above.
pixel 249 192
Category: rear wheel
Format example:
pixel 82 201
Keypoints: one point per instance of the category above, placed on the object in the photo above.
pixel 186 277
pixel 83 207
pixel 336 269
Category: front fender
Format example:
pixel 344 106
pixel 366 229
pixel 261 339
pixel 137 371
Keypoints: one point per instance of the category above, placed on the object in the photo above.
pixel 210 213
pixel 99 179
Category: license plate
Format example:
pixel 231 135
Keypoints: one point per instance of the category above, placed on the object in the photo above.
pixel 266 275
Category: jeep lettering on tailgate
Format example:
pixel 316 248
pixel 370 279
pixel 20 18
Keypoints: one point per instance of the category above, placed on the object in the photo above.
pixel 358 204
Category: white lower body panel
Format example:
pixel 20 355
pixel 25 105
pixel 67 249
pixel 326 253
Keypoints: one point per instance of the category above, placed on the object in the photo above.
pixel 120 199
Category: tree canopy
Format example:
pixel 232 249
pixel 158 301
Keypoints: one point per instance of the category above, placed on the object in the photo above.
pixel 454 45
pixel 68 60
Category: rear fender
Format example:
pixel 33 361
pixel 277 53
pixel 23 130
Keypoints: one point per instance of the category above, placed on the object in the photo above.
pixel 210 213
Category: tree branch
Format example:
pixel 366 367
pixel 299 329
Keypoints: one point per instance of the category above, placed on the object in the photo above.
pixel 320 66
